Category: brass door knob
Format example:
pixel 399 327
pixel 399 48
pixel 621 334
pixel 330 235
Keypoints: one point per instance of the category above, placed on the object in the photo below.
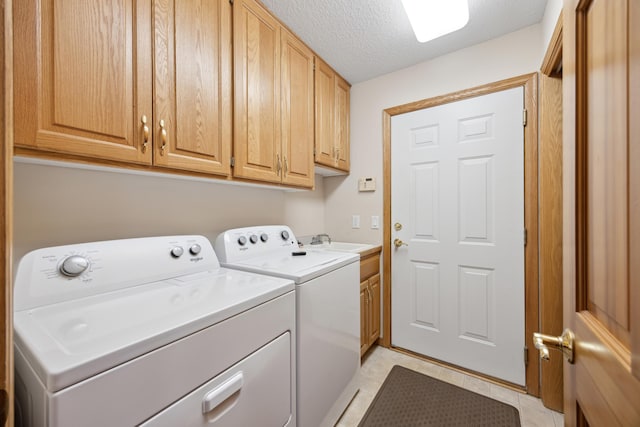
pixel 398 243
pixel 563 343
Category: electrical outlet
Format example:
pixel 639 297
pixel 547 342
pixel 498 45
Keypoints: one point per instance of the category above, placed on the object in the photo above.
pixel 355 221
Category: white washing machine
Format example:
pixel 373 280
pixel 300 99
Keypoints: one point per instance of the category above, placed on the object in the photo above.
pixel 151 332
pixel 327 313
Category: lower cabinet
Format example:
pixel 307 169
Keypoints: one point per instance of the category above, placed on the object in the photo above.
pixel 369 300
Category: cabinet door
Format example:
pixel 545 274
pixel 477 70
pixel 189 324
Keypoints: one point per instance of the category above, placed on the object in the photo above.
pixel 374 309
pixel 256 47
pixel 297 111
pixel 83 77
pixel 192 85
pixel 324 103
pixel 364 317
pixel 342 107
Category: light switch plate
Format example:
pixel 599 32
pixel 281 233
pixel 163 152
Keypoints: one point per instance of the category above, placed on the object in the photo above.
pixel 355 221
pixel 375 222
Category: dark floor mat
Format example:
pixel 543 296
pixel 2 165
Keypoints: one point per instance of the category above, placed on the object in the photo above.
pixel 409 398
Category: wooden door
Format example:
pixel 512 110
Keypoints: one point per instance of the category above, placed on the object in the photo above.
pixel 257 130
pixel 192 85
pixel 83 77
pixel 364 317
pixel 374 309
pixel 601 63
pixel 457 192
pixel 297 111
pixel 324 103
pixel 341 117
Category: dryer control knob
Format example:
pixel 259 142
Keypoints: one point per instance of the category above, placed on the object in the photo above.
pixel 284 235
pixel 195 249
pixel 264 237
pixel 253 238
pixel 177 251
pixel 242 240
pixel 74 265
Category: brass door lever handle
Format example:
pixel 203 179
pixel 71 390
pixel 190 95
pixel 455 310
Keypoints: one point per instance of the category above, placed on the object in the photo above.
pixel 563 343
pixel 398 243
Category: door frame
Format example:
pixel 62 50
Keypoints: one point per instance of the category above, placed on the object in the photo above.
pixel 550 217
pixel 6 211
pixel 530 84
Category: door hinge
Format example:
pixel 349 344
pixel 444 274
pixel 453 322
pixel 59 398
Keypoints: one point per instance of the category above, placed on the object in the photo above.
pixel 524 117
pixel 526 355
pixel 233 161
pixel 525 237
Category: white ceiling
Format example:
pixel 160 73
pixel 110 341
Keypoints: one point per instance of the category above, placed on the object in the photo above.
pixel 363 39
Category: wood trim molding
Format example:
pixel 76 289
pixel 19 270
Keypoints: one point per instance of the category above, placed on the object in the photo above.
pixel 552 62
pixel 634 185
pixel 550 226
pixel 6 209
pixel 386 229
pixel 530 84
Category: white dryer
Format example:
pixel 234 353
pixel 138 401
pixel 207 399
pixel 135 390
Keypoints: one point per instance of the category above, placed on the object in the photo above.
pixel 151 332
pixel 327 313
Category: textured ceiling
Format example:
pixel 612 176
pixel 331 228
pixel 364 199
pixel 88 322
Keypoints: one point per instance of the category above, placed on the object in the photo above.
pixel 363 39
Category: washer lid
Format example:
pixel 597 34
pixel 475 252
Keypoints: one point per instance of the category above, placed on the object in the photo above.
pixel 70 341
pixel 299 268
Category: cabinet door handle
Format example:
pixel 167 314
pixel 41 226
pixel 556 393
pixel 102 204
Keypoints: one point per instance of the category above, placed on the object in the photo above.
pixel 163 137
pixel 286 168
pixel 278 164
pixel 221 393
pixel 145 133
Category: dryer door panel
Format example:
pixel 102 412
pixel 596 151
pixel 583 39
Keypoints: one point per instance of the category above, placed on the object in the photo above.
pixel 255 391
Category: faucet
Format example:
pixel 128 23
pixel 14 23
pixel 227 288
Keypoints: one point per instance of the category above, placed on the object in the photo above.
pixel 317 239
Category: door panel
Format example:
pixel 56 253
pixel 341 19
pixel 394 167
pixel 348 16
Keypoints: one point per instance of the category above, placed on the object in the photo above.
pixel 83 77
pixel 256 45
pixel 458 191
pixel 600 280
pixel 325 93
pixel 193 84
pixel 342 129
pixel 297 111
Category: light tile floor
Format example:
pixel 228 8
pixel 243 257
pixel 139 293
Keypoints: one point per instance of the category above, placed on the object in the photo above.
pixel 377 364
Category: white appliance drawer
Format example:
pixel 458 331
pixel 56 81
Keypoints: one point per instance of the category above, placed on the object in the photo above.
pixel 254 392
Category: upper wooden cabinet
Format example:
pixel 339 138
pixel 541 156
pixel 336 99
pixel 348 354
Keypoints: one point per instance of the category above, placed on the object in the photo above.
pixel 332 105
pixel 193 85
pixel 273 99
pixel 85 81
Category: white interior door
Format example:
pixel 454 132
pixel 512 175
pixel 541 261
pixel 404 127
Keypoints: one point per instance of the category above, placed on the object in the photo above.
pixel 458 193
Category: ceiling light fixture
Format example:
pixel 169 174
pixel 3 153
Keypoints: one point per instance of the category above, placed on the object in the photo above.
pixel 431 19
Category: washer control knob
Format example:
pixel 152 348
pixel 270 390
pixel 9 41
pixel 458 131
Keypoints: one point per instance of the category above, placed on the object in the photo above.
pixel 177 251
pixel 284 234
pixel 242 240
pixel 264 237
pixel 195 249
pixel 253 238
pixel 74 265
